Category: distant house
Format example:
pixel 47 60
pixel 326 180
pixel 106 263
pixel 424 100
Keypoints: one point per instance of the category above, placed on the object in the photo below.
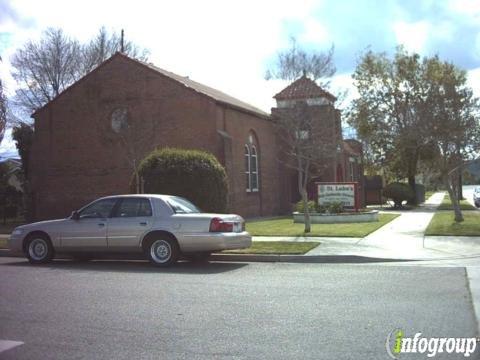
pixel 14 169
pixel 79 154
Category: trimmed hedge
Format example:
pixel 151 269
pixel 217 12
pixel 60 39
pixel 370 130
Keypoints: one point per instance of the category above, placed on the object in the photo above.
pixel 193 174
pixel 398 192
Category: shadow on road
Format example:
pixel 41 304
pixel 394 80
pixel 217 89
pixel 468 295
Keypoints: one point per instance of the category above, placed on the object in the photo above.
pixel 135 266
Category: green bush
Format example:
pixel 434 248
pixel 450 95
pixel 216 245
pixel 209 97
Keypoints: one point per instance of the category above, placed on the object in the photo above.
pixel 193 174
pixel 321 209
pixel 335 208
pixel 310 205
pixel 398 192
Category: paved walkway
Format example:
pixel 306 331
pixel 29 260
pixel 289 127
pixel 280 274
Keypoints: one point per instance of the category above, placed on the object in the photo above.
pixel 401 239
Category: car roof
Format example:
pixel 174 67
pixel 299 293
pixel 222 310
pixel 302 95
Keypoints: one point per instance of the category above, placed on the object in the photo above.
pixel 158 196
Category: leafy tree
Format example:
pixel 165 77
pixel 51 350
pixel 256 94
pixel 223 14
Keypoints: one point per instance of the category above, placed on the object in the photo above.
pixel 389 111
pixel 452 124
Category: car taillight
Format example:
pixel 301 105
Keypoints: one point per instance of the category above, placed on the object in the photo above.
pixel 218 225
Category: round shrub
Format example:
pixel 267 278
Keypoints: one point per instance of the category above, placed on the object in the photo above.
pixel 398 192
pixel 193 174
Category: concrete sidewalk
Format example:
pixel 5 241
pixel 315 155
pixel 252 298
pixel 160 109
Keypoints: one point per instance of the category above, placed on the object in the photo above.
pixel 401 239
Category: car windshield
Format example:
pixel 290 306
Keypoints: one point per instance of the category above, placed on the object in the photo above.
pixel 182 206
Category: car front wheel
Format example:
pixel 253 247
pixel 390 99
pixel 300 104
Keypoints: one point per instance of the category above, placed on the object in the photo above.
pixel 39 249
pixel 163 252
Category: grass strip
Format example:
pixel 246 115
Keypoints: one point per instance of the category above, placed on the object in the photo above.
pixel 286 227
pixel 443 224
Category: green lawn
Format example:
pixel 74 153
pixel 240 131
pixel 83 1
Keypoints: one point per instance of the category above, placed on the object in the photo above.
pixel 286 227
pixel 447 204
pixel 276 248
pixel 443 223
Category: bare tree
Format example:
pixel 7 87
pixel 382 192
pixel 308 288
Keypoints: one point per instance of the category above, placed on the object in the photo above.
pixel 3 110
pixel 295 61
pixel 135 138
pixel 104 45
pixel 45 68
pixel 307 145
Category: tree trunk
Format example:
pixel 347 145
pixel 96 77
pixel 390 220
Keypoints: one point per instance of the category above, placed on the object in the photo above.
pixel 306 211
pixel 411 183
pixel 454 200
pixel 137 177
pixel 459 186
pixel 302 189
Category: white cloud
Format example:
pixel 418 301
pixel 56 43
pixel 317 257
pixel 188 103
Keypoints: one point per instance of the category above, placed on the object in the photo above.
pixel 314 32
pixel 412 35
pixel 473 81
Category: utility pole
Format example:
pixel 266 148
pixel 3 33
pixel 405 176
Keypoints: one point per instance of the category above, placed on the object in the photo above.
pixel 122 48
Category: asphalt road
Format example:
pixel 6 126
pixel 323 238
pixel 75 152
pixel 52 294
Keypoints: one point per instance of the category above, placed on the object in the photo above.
pixel 129 310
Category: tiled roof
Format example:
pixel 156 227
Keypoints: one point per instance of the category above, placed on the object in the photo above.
pixel 218 96
pixel 352 147
pixel 303 88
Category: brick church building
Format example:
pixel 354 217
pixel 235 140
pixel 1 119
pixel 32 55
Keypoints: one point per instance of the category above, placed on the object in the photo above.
pixel 79 152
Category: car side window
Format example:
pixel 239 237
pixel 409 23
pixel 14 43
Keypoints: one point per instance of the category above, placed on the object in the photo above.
pixel 133 207
pixel 99 209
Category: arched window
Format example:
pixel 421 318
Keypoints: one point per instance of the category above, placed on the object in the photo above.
pixel 254 169
pixel 252 164
pixel 247 167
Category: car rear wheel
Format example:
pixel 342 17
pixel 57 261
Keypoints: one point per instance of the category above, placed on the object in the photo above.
pixel 39 249
pixel 163 252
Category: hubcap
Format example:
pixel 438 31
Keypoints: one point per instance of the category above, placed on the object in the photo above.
pixel 38 249
pixel 160 251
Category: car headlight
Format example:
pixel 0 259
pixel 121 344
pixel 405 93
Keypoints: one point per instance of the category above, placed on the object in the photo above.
pixel 17 232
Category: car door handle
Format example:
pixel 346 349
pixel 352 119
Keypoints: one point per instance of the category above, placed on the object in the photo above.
pixel 101 224
pixel 143 223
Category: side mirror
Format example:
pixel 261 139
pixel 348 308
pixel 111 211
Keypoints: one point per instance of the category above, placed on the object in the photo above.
pixel 75 215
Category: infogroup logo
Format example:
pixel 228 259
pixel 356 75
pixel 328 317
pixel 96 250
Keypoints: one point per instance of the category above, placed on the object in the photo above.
pixel 397 343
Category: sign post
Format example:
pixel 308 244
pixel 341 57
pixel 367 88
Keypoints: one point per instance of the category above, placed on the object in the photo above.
pixel 343 192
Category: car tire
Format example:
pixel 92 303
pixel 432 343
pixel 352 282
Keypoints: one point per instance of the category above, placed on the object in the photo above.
pixel 162 251
pixel 198 256
pixel 39 249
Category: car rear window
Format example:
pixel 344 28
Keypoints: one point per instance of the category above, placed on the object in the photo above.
pixel 182 206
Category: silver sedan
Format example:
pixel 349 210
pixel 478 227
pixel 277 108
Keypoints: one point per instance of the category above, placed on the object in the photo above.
pixel 162 227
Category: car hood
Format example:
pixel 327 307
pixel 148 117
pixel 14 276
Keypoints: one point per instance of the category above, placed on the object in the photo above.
pixel 43 224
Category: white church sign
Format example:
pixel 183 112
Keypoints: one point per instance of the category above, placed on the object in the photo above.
pixel 346 193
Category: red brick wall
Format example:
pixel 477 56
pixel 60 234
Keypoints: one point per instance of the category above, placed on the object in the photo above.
pixel 267 201
pixel 77 157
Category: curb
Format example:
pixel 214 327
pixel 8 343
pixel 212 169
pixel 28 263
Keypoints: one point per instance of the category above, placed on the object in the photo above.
pixel 312 259
pixel 307 259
